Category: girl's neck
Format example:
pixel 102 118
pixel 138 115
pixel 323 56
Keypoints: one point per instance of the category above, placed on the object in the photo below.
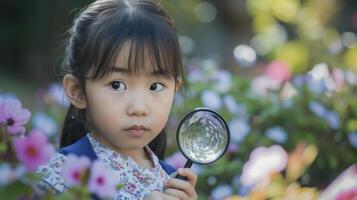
pixel 140 156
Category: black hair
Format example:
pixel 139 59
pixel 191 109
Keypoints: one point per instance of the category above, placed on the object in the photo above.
pixel 96 37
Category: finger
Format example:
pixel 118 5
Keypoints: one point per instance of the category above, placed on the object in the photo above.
pixel 190 174
pixel 177 193
pixel 156 195
pixel 181 185
pixel 169 197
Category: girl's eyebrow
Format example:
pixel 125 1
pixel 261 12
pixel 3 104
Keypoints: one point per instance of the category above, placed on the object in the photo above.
pixel 126 71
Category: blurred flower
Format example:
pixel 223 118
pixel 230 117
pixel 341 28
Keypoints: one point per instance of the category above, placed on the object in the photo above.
pixel 245 55
pixel 320 74
pixel 288 91
pixel 276 134
pixel 205 12
pixel 301 157
pixel 348 195
pixel 345 182
pixel 57 95
pixel 339 78
pixel 177 160
pixel 221 192
pixel 195 75
pixel 299 80
pixel 318 108
pixel 74 168
pixel 238 129
pixel 233 107
pixel 222 81
pixel 14 116
pixel 187 45
pixel 102 180
pixel 45 123
pixel 262 163
pixel 211 99
pixel 333 119
pixel 8 174
pixel 233 147
pixel 352 138
pixel 33 150
pixel 278 70
pixel 262 84
pixel 211 180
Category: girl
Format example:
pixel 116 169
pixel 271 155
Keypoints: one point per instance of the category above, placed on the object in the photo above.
pixel 121 72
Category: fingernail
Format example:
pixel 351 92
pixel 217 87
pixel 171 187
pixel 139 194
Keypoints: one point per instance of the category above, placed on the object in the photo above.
pixel 179 170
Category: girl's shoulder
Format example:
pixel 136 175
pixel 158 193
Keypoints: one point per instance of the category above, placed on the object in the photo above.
pixel 50 173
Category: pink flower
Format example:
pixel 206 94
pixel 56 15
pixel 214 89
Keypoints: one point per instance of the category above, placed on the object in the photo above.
pixel 14 116
pixel 102 180
pixel 348 195
pixel 33 150
pixel 74 168
pixel 278 70
pixel 176 160
pixel 262 163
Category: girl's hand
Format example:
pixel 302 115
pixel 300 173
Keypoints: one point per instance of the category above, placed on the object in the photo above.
pixel 180 189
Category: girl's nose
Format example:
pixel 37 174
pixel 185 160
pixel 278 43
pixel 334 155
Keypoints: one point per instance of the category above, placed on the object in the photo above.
pixel 137 106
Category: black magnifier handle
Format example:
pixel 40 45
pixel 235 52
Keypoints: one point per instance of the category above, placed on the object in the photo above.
pixel 187 165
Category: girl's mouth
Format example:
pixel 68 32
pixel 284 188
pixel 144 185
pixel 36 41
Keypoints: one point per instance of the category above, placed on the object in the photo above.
pixel 136 130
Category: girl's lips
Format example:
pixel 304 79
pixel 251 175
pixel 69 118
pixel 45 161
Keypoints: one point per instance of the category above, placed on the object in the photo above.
pixel 136 131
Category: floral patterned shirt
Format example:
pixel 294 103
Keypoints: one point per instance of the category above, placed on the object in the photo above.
pixel 137 181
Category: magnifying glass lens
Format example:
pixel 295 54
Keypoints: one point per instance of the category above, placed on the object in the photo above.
pixel 203 137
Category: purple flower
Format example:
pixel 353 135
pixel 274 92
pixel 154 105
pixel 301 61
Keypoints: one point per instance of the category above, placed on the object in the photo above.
pixel 74 168
pixel 211 99
pixel 57 94
pixel 333 119
pixel 239 129
pixel 233 147
pixel 318 109
pixel 277 134
pixel 33 150
pixel 177 160
pixel 14 116
pixel 102 180
pixel 235 108
pixel 222 81
pixel 352 138
pixel 221 192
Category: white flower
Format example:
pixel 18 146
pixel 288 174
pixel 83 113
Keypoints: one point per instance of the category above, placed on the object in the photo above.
pixel 262 163
pixel 262 84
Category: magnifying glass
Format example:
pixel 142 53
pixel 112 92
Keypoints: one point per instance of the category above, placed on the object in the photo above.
pixel 203 137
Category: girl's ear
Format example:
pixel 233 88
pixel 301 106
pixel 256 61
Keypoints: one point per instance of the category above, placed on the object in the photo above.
pixel 74 92
pixel 178 84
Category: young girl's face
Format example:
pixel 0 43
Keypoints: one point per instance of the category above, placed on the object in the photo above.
pixel 122 100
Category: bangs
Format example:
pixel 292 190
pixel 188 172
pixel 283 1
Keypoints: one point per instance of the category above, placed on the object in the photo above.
pixel 150 38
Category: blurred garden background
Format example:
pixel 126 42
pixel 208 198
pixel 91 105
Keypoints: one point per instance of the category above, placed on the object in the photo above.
pixel 283 73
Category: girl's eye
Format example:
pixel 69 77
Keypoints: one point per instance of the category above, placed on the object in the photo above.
pixel 118 85
pixel 156 87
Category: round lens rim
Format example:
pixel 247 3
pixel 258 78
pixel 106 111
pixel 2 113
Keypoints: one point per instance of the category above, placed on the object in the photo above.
pixel 190 114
